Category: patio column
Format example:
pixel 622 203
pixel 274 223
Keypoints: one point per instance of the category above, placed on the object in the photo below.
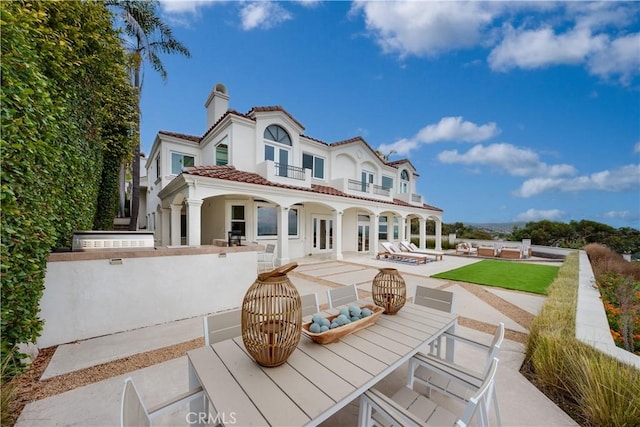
pixel 193 222
pixel 165 232
pixel 438 234
pixel 337 234
pixel 402 229
pixel 283 235
pixel 423 233
pixel 176 211
pixel 373 234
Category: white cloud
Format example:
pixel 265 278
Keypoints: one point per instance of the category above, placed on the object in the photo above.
pixel 618 215
pixel 425 28
pixel 514 160
pixel 528 35
pixel 625 178
pixel 537 215
pixel 447 129
pixel 263 15
pixel 542 47
pixel 185 6
pixel 636 148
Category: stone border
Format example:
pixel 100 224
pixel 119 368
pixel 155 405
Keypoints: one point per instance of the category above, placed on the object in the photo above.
pixel 592 326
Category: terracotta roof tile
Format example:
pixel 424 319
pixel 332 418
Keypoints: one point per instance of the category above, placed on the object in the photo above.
pixel 230 173
pixel 192 138
pixel 274 108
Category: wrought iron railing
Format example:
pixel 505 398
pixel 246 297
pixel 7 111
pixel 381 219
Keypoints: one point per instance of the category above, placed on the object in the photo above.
pixel 289 171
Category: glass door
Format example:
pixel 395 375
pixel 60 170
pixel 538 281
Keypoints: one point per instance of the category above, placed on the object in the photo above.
pixel 364 222
pixel 322 234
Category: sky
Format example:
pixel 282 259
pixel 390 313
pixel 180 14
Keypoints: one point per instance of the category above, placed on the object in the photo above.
pixel 510 111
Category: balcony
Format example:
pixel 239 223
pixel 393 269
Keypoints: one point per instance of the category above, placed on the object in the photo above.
pixel 362 189
pixel 284 174
pixel 411 198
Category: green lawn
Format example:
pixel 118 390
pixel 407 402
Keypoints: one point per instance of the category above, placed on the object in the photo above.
pixel 526 277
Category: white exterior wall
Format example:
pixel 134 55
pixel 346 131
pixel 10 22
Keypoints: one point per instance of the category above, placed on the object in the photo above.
pixel 85 299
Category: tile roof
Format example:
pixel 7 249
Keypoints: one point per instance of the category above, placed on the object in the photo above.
pixel 274 108
pixel 192 138
pixel 230 173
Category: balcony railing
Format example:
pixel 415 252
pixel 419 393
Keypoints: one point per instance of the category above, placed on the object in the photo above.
pixel 381 191
pixel 357 185
pixel 289 171
pixel 416 198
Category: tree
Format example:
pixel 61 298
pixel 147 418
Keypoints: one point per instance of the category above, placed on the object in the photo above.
pixel 148 38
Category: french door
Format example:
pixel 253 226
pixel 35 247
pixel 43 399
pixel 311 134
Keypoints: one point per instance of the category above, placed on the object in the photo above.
pixel 322 233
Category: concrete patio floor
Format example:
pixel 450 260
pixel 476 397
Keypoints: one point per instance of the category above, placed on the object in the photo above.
pixel 98 404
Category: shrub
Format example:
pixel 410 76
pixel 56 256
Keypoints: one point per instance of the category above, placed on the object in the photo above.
pixel 599 388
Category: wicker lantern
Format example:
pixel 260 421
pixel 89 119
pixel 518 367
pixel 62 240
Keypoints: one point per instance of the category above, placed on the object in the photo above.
pixel 272 317
pixel 389 290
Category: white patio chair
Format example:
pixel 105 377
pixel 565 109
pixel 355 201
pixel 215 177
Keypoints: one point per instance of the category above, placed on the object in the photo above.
pixel 342 296
pixel 133 412
pixel 222 326
pixel 310 304
pixel 453 379
pixel 407 407
pixel 266 259
pixel 438 300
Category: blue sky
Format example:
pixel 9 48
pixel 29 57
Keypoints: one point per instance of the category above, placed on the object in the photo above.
pixel 510 111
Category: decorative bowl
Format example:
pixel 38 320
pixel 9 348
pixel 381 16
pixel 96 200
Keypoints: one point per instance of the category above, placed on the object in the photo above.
pixel 333 335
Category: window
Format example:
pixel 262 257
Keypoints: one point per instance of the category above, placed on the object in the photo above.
pixel 238 222
pixel 277 145
pixel 382 228
pixel 268 221
pixel 316 164
pixel 180 161
pixel 222 155
pixel 158 166
pixel 277 134
pixel 387 182
pixel 404 181
pixel 395 228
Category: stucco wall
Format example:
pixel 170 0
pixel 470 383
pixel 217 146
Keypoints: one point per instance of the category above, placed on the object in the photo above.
pixel 89 298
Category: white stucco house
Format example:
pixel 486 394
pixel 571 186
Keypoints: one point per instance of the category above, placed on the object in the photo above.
pixel 259 175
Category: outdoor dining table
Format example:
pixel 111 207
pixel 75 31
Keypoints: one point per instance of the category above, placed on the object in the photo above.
pixel 317 380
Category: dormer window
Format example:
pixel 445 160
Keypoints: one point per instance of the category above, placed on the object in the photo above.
pixel 276 133
pixel 404 181
pixel 277 145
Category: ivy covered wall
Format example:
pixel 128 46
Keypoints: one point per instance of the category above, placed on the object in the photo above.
pixel 66 113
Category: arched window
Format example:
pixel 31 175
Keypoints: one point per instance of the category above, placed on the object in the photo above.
pixel 277 134
pixel 404 181
pixel 277 147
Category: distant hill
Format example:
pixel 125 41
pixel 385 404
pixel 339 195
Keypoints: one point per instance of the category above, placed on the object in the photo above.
pixel 496 227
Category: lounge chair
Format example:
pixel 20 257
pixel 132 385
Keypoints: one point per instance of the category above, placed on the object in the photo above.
pixel 410 247
pixel 466 248
pixel 396 254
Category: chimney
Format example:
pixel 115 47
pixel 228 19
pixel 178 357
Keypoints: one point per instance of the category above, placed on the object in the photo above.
pixel 217 104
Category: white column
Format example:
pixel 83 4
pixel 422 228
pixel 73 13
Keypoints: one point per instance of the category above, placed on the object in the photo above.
pixel 176 210
pixel 165 233
pixel 438 234
pixel 337 234
pixel 193 222
pixel 402 229
pixel 283 235
pixel 373 234
pixel 423 233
